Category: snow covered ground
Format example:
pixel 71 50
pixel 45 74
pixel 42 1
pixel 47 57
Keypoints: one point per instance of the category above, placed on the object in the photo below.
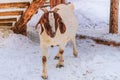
pixel 20 59
pixel 20 56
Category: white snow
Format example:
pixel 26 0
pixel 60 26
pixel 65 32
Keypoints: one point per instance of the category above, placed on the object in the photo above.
pixel 20 56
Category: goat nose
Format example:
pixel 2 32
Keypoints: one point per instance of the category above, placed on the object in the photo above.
pixel 53 33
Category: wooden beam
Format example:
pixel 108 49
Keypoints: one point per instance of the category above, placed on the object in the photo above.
pixel 15 4
pixel 114 16
pixel 11 13
pixel 20 26
pixel 5 24
pixel 63 1
pixel 8 20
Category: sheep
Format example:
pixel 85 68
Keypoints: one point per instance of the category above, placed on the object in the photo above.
pixel 58 26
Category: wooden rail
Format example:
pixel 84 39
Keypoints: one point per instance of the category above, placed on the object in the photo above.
pixel 15 4
pixel 11 13
pixel 8 20
pixel 6 24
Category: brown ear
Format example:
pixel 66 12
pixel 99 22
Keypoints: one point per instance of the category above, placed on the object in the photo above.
pixel 62 27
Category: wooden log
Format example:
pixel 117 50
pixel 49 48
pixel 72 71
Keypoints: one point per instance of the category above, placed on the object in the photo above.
pixel 5 24
pixel 20 26
pixel 8 20
pixel 15 4
pixel 11 13
pixel 114 16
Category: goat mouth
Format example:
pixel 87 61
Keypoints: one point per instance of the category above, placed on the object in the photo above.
pixel 53 45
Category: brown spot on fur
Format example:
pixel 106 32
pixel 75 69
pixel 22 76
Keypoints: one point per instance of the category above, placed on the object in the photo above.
pixel 44 59
pixel 61 51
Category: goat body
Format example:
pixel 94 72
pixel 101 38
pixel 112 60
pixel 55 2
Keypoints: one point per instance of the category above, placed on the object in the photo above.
pixel 58 26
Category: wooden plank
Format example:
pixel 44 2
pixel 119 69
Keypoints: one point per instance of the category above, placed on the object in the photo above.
pixel 56 2
pixel 45 6
pixel 5 24
pixel 11 13
pixel 8 20
pixel 20 26
pixel 15 4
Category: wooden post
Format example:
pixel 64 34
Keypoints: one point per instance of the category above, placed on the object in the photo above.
pixel 63 1
pixel 21 26
pixel 56 2
pixel 114 16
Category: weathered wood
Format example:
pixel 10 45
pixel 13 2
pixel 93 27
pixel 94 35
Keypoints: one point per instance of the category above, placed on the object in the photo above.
pixel 114 16
pixel 15 4
pixel 8 20
pixel 63 1
pixel 30 11
pixel 11 13
pixel 52 3
pixel 5 24
pixel 56 2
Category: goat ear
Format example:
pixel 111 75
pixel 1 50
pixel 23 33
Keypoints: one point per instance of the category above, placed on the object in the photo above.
pixel 44 10
pixel 62 27
pixel 56 9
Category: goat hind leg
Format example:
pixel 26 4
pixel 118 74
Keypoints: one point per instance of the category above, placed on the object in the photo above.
pixel 75 53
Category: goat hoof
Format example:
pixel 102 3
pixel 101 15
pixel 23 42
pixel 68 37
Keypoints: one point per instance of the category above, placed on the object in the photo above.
pixel 75 55
pixel 57 57
pixel 59 66
pixel 44 77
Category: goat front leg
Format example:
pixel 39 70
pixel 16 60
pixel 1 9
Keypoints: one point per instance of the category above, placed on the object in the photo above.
pixel 44 50
pixel 61 57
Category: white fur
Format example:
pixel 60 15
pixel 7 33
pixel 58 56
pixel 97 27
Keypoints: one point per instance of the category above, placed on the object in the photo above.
pixel 52 21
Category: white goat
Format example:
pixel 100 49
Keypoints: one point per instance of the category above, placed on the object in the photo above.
pixel 58 26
